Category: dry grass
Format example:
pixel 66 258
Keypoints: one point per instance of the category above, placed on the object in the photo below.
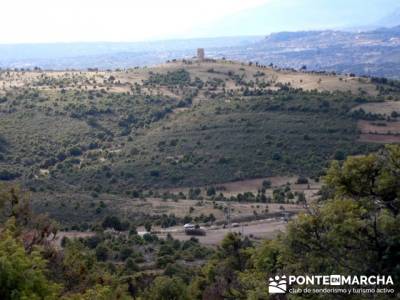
pixel 383 108
pixel 127 78
pixel 181 208
pixel 253 185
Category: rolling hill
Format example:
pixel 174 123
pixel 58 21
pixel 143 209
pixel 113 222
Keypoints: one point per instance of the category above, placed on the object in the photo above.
pixel 183 123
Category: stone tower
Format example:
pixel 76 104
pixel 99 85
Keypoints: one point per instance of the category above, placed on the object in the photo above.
pixel 200 54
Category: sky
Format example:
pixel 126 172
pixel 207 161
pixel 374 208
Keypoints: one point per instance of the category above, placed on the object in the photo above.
pixel 39 21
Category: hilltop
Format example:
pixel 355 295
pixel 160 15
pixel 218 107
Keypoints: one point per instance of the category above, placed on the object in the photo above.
pixel 374 53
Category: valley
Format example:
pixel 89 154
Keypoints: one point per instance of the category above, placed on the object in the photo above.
pixel 107 170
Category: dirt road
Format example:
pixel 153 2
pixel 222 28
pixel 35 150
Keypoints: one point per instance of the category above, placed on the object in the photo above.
pixel 261 229
pixel 257 229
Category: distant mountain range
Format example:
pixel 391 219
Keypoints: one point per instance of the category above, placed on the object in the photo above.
pixel 391 20
pixel 106 55
pixel 375 52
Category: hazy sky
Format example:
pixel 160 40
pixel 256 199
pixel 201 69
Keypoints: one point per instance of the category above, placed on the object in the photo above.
pixel 25 21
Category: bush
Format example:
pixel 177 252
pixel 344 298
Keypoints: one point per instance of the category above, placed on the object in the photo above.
pixel 167 288
pixel 131 266
pixel 211 191
pixel 266 184
pixel 125 253
pixel 302 180
pixel 147 226
pixel 92 242
pixel 276 156
pixel 75 151
pixel 7 175
pixel 339 155
pixel 155 173
pixel 115 223
pixel 102 253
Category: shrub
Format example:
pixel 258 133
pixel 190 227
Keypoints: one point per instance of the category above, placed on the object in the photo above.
pixel 266 184
pixel 102 253
pixel 302 180
pixel 115 223
pixel 75 151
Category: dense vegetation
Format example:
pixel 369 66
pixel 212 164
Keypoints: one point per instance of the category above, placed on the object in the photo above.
pixel 76 132
pixel 89 144
pixel 353 229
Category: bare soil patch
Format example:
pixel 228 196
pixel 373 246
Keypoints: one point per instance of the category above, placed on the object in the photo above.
pixel 379 138
pixel 263 229
pixel 384 108
pixel 379 131
pixel 253 185
pixel 379 127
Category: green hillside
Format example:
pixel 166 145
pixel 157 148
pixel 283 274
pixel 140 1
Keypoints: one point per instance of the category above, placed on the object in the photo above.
pixel 180 124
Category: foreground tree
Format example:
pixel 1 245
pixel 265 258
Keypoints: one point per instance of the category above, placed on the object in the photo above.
pixel 22 274
pixel 374 178
pixel 167 288
pixel 30 268
pixel 353 230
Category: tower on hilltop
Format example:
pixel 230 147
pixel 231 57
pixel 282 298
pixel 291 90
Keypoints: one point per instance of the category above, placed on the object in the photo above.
pixel 200 54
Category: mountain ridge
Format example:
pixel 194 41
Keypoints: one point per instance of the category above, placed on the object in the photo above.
pixel 372 53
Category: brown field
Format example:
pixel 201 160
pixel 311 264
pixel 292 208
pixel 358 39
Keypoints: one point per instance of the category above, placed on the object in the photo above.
pixel 378 127
pixel 379 131
pixel 181 208
pixel 253 185
pixel 379 138
pixel 384 108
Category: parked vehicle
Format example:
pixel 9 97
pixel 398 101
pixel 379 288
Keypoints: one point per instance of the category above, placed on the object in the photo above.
pixel 191 229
